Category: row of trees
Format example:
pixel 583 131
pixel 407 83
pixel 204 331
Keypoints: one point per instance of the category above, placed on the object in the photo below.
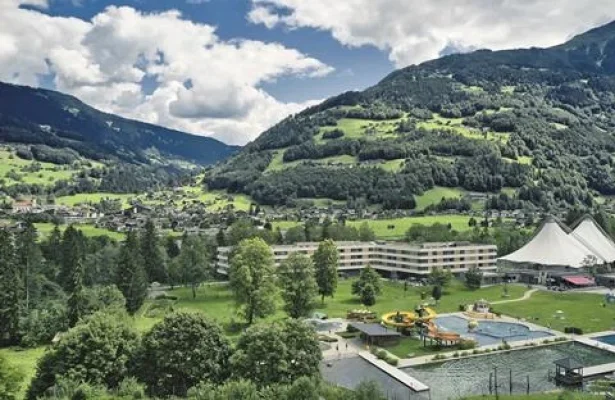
pixel 184 354
pixel 256 283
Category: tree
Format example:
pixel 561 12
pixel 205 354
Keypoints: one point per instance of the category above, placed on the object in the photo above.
pixel 72 255
pixel 10 381
pixel 369 281
pixel 221 238
pixel 152 254
pixel 296 277
pixel 277 353
pixel 97 351
pixel 179 352
pixel 436 293
pixel 368 390
pixel 366 234
pixel 474 278
pixel 252 278
pixel 440 276
pixel 29 258
pixel 325 262
pixel 368 295
pixel 171 247
pixel 10 291
pixel 130 276
pixel 192 266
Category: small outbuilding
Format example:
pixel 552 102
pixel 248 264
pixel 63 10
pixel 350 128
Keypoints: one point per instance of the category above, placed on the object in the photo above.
pixel 568 371
pixel 376 334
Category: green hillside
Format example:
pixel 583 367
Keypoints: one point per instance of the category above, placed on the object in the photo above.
pixel 538 123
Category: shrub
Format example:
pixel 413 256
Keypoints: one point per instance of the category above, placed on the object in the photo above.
pixel 467 344
pixel 351 329
pixel 392 360
pixel 327 339
pixel 573 330
pixel 131 389
pixel 382 354
pixel 456 354
pixel 333 134
pixel 462 307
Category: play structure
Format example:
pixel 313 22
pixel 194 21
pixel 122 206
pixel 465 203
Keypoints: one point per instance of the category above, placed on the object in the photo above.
pixel 421 318
pixel 408 319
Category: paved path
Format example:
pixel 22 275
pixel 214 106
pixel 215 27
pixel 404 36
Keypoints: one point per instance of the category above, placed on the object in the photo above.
pixel 525 296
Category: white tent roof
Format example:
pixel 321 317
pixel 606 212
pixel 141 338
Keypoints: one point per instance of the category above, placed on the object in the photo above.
pixel 589 233
pixel 551 245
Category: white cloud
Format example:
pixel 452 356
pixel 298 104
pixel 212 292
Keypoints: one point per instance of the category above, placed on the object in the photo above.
pixel 413 31
pixel 106 62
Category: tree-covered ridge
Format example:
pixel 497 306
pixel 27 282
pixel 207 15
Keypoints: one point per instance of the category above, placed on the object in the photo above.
pixel 44 117
pixel 537 120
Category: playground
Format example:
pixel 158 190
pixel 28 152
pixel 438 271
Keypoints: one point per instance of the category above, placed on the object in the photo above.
pixel 422 321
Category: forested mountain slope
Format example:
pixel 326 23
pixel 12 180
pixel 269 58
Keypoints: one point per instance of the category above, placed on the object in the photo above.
pixel 539 121
pixel 49 118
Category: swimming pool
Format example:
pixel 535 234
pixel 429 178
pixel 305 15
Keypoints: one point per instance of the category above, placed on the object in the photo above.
pixel 607 339
pixel 489 332
pixel 470 376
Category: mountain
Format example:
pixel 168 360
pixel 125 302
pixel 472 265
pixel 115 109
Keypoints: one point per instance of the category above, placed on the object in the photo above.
pixel 45 117
pixel 535 125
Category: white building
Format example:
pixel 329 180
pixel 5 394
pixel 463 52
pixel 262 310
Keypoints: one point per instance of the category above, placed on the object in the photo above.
pixel 401 259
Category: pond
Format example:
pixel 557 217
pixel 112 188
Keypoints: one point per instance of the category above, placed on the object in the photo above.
pixel 350 372
pixel 470 376
pixel 489 332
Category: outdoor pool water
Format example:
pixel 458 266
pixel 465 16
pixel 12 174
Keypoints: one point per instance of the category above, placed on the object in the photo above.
pixel 350 372
pixel 489 332
pixel 608 339
pixel 470 376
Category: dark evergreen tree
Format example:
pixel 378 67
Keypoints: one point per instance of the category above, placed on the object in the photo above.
pixel 131 278
pixel 171 247
pixel 10 291
pixel 152 254
pixel 29 258
pixel 72 255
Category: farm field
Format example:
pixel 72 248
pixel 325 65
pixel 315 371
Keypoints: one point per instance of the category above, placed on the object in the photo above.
pixel 355 128
pixel 48 173
pixel 456 125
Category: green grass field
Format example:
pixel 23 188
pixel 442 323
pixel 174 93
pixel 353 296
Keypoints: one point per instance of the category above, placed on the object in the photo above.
pixel 44 229
pixel 392 165
pixel 456 125
pixel 47 175
pixel 433 196
pixel 401 225
pixel 580 310
pixel 355 128
pixel 93 198
pixel 24 360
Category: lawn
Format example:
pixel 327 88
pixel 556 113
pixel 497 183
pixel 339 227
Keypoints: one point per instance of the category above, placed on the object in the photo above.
pixel 433 196
pixel 581 310
pixel 401 225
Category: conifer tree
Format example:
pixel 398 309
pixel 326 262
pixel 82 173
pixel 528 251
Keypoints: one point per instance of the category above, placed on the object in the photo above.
pixel 10 291
pixel 29 258
pixel 153 258
pixel 131 278
pixel 72 254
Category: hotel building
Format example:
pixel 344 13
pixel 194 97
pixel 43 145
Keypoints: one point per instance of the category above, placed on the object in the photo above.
pixel 397 259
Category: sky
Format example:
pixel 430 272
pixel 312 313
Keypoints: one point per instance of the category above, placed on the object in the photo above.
pixel 230 69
